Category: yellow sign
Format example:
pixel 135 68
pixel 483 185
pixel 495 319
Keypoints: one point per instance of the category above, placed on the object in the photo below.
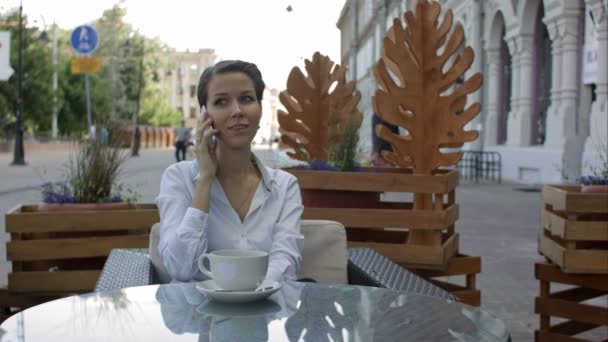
pixel 83 65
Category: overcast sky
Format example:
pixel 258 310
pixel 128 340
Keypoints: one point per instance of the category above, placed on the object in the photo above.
pixel 260 31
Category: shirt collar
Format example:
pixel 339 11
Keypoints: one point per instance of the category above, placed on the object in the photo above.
pixel 266 179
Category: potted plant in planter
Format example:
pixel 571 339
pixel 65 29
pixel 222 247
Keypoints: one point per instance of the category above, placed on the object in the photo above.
pixel 321 126
pixel 90 181
pixel 431 120
pixel 597 182
pixel 59 247
pixel 594 184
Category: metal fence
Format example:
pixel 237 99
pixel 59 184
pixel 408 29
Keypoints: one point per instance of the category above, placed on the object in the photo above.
pixel 476 166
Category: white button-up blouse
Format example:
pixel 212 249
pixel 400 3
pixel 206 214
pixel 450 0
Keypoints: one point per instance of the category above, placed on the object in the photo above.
pixel 272 223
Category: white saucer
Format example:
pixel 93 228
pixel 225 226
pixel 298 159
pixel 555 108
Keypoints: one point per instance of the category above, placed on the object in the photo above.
pixel 209 287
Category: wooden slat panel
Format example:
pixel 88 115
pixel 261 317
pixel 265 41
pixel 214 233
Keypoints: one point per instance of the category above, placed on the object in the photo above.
pixel 578 294
pixel 574 230
pixel 381 218
pixel 8 299
pixel 465 295
pixel 572 327
pixel 470 297
pixel 459 265
pixel 575 311
pixel 447 286
pixel 83 221
pixel 570 199
pixel 552 273
pixel 49 249
pixel 586 261
pixel 574 261
pixel 414 254
pixel 379 181
pixel 62 281
pixel 551 250
pixel 404 253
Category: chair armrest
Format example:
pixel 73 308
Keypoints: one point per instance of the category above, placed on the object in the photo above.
pixel 126 268
pixel 369 268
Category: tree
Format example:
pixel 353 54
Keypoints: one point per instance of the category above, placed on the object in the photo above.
pixel 156 109
pixel 115 90
pixel 37 80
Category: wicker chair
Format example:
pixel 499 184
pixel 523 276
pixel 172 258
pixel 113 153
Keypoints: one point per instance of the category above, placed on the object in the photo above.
pixel 134 267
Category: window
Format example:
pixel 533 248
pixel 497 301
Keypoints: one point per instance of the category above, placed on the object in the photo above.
pixel 193 91
pixel 192 112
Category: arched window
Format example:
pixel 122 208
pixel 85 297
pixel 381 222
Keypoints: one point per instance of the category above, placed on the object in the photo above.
pixel 542 78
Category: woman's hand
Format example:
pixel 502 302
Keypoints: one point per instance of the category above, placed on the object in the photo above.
pixel 205 148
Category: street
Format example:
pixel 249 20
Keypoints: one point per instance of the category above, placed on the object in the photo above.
pixel 496 222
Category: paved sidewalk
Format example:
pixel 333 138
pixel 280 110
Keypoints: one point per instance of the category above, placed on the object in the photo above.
pixel 496 222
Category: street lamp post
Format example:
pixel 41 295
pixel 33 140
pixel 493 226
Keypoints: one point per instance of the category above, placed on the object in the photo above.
pixel 18 152
pixel 136 132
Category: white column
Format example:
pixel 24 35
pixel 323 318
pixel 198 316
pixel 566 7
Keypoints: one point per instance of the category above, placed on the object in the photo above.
pixel 512 115
pixel 491 100
pixel 562 126
pixel 556 75
pixel 518 131
pixel 474 41
pixel 598 132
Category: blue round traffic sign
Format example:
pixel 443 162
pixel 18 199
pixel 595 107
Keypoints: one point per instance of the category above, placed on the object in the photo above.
pixel 84 39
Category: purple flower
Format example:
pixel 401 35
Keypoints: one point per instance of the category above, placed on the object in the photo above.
pixel 592 180
pixel 321 165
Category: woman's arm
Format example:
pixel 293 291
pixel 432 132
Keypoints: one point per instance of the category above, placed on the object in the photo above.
pixel 183 223
pixel 287 240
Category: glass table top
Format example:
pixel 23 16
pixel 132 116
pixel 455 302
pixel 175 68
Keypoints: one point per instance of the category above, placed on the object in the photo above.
pixel 297 312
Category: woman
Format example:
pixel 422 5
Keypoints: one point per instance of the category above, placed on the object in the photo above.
pixel 226 199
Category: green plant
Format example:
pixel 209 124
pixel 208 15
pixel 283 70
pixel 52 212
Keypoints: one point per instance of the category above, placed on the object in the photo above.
pixel 599 173
pixel 91 176
pixel 342 155
pixel 602 169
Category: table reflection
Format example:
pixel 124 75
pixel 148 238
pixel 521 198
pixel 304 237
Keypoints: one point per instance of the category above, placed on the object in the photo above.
pixel 298 312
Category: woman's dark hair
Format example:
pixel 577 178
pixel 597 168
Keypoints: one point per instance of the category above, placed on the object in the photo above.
pixel 223 67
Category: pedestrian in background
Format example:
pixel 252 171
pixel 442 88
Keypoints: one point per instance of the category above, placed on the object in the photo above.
pixel 182 137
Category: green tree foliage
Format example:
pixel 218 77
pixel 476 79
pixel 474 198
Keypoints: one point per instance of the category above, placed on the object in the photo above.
pixel 115 91
pixel 155 108
pixel 37 80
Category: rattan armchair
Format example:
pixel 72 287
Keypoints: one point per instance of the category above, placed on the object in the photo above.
pixel 133 267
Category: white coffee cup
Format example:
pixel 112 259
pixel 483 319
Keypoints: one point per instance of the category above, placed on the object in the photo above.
pixel 235 270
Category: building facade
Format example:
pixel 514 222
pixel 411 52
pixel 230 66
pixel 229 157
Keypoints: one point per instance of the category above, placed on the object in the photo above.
pixel 268 133
pixel 182 80
pixel 545 93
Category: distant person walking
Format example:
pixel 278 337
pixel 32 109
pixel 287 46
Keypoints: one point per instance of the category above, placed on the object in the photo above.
pixel 182 136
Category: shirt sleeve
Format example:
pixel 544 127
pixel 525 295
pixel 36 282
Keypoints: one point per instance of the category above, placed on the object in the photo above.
pixel 287 240
pixel 182 228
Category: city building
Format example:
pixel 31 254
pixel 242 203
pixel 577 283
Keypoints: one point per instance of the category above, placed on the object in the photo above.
pixel 182 80
pixel 545 93
pixel 269 124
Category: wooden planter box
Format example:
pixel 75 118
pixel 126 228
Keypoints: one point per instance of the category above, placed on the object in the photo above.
pixel 575 229
pixel 58 253
pixel 568 304
pixel 401 218
pixel 459 266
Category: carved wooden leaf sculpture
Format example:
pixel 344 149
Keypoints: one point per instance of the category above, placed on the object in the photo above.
pixel 418 103
pixel 317 112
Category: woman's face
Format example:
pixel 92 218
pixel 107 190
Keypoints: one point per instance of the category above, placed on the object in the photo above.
pixel 234 107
